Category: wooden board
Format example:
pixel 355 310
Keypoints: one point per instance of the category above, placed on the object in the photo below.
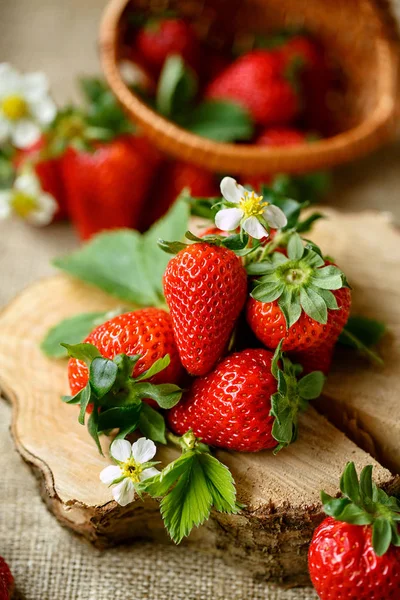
pixel 281 493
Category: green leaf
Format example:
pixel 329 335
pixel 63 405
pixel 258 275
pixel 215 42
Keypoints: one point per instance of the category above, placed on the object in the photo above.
pixel 289 303
pixel 157 366
pixel 328 278
pixel 126 264
pixel 71 331
pixel 329 298
pixel 102 375
pixel 220 120
pixel 92 426
pixel 177 86
pixel 85 352
pixel 168 476
pixel 313 305
pixel 295 247
pixel 349 484
pixel 220 483
pixel 268 292
pixel 166 395
pixel 275 360
pixel 355 515
pixel 381 536
pixel 85 396
pixel 306 225
pixel 368 331
pixel 334 506
pixel 310 386
pixel 366 483
pixel 152 424
pixel 120 417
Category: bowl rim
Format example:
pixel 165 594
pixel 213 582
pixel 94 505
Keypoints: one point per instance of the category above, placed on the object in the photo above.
pixel 249 158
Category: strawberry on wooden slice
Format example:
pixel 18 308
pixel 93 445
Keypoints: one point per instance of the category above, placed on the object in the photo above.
pixel 355 552
pixel 247 403
pixel 300 298
pixel 6 581
pixel 205 287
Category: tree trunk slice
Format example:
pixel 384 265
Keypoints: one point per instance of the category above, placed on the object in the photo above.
pixel 271 535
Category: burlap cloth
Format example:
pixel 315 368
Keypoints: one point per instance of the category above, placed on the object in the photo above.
pixel 50 563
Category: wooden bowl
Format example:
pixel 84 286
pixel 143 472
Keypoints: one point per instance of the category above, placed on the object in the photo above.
pixel 354 31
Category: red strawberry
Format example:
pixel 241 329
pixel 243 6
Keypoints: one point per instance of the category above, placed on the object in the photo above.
pixel 231 406
pixel 147 332
pixel 205 288
pixel 277 136
pixel 301 299
pixel 172 179
pixel 158 39
pixel 49 172
pixel 317 358
pixel 355 552
pixel 107 187
pixel 256 81
pixel 6 581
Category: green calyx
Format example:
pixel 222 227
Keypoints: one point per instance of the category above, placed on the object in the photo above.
pixel 238 243
pixel 299 281
pixel 291 397
pixel 363 503
pixel 117 397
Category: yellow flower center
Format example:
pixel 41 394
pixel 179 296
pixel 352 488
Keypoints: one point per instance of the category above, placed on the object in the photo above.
pixel 131 469
pixel 23 204
pixel 252 205
pixel 14 107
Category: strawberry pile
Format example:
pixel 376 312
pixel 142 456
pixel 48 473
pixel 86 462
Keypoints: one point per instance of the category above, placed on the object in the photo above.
pixel 273 91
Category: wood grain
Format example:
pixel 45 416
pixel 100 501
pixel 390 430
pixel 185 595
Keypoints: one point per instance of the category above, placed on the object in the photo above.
pixel 281 493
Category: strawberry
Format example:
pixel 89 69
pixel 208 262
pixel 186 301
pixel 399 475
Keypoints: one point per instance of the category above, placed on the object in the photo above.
pixel 239 405
pixel 300 299
pixel 158 39
pixel 146 332
pixel 317 358
pixel 355 552
pixel 175 177
pixel 6 581
pixel 256 82
pixel 107 188
pixel 48 169
pixel 205 287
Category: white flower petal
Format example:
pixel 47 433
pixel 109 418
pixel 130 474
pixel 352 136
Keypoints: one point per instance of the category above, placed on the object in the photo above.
pixel 228 219
pixel 253 227
pixel 45 211
pixel 231 190
pixel 143 450
pixel 5 129
pixel 25 133
pixel 275 217
pixel 5 204
pixel 28 184
pixel 121 450
pixel 10 80
pixel 110 474
pixel 147 473
pixel 44 110
pixel 35 86
pixel 124 492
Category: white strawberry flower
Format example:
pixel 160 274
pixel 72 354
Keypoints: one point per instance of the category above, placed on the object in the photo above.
pixel 251 213
pixel 28 201
pixel 131 468
pixel 25 106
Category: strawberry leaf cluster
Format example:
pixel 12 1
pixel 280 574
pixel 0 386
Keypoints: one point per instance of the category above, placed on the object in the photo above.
pixel 117 397
pixel 363 503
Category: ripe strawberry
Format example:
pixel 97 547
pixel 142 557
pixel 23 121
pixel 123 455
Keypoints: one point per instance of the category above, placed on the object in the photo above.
pixel 317 358
pixel 256 81
pixel 48 169
pixel 355 552
pixel 301 299
pixel 205 288
pixel 236 405
pixel 107 188
pixel 175 177
pixel 147 332
pixel 6 581
pixel 158 39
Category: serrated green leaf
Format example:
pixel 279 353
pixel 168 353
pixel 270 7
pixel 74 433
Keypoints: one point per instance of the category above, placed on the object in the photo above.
pixel 168 476
pixel 166 395
pixel 220 483
pixel 102 375
pixel 152 424
pixel 85 352
pixel 157 366
pixel 295 247
pixel 220 120
pixel 310 386
pixel 313 305
pixel 120 417
pixel 85 396
pixel 70 331
pixel 177 86
pixel 381 536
